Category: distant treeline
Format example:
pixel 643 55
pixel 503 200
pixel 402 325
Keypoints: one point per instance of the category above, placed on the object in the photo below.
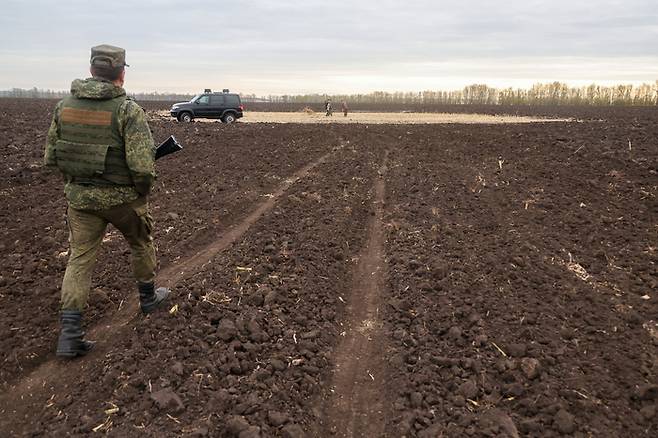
pixel 51 94
pixel 554 93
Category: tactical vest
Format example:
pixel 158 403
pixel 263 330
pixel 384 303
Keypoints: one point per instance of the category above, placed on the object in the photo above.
pixel 90 149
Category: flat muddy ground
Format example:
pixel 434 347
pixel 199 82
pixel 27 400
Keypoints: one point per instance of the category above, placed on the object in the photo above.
pixel 388 118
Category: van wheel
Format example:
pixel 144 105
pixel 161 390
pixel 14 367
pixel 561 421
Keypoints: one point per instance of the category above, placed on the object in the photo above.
pixel 228 118
pixel 185 117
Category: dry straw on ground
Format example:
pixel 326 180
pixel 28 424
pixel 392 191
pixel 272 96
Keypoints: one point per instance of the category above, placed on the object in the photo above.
pixel 377 118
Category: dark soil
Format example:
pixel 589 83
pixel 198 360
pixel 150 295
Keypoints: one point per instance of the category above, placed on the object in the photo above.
pixel 514 267
pixel 490 324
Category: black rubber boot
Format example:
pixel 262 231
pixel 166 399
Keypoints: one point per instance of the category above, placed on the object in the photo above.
pixel 70 343
pixel 150 298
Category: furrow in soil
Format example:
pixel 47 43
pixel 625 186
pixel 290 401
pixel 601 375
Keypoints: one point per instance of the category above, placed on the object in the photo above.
pixel 357 403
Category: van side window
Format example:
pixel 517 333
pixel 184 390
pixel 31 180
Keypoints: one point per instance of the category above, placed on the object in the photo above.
pixel 217 99
pixel 232 100
pixel 203 100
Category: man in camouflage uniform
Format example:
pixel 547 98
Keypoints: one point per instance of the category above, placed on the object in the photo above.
pixel 100 140
pixel 327 108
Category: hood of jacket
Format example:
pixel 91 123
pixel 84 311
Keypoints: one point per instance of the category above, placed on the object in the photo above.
pixel 93 88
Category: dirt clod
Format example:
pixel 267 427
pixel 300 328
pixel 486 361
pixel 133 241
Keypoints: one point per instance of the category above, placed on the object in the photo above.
pixel 416 400
pixel 564 422
pixel 646 392
pixel 276 418
pixel 250 432
pixel 648 412
pixel 178 368
pixel 226 330
pixel 516 350
pixel 468 389
pixel 497 418
pixel 237 424
pixel 455 333
pixel 278 365
pixel 530 367
pixel 292 431
pixel 167 400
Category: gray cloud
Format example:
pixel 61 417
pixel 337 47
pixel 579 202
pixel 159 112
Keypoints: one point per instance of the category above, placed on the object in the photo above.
pixel 287 46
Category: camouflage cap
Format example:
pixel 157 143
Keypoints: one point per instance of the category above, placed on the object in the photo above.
pixel 107 55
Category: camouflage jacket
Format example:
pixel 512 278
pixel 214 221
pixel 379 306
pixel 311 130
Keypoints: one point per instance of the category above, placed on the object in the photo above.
pixel 139 149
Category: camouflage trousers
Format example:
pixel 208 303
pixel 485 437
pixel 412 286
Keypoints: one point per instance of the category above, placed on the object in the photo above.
pixel 86 232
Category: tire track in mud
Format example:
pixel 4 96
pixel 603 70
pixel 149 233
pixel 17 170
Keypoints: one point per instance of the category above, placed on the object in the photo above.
pixel 177 272
pixel 356 407
pixel 39 384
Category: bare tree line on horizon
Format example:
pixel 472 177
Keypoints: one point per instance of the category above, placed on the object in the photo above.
pixel 554 93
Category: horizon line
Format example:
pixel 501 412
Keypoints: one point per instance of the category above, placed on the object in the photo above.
pixel 317 93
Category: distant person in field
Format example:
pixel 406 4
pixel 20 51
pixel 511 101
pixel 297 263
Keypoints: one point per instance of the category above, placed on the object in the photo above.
pixel 99 139
pixel 327 108
pixel 344 108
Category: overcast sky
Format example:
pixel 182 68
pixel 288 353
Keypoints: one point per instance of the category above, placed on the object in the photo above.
pixel 332 46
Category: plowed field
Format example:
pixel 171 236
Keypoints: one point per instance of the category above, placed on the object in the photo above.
pixel 350 280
